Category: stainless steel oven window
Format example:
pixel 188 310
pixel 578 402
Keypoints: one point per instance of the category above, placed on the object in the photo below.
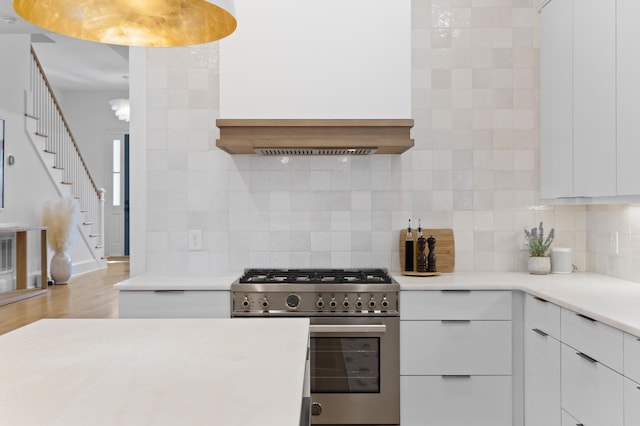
pixel 345 365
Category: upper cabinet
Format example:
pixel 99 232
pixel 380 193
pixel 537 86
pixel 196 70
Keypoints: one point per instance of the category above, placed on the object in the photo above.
pixel 628 106
pixel 556 100
pixel 589 100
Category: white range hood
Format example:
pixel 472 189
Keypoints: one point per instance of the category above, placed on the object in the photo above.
pixel 317 77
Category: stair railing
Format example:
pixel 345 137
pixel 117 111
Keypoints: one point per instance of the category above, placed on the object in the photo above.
pixel 60 141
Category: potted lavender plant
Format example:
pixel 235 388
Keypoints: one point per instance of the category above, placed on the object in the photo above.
pixel 539 261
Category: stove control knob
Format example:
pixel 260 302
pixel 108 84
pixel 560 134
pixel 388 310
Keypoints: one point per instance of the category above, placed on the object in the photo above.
pixel 245 303
pixel 316 409
pixel 293 301
pixel 385 302
pixel 320 303
pixel 372 302
pixel 346 302
pixel 265 303
pixel 359 303
pixel 333 303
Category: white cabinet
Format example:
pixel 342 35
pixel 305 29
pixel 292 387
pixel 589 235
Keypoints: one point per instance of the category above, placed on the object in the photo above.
pixel 568 420
pixel 632 357
pixel 594 97
pixel 590 99
pixel 591 391
pixel 455 347
pixel 556 100
pixel 456 305
pixel 456 358
pixel 174 304
pixel 455 400
pixel 597 340
pixel 628 106
pixel 541 363
pixel 631 403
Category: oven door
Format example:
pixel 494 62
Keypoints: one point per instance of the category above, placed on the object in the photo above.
pixel 355 370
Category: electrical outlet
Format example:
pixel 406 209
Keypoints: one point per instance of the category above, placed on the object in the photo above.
pixel 614 246
pixel 195 239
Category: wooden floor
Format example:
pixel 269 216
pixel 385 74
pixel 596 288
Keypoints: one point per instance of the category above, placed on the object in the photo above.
pixel 89 295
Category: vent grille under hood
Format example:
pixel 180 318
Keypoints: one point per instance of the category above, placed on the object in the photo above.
pixel 314 136
pixel 314 151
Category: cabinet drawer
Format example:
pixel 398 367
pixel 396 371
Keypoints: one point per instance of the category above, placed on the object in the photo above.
pixel 455 347
pixel 568 420
pixel 632 357
pixel 454 401
pixel 591 392
pixel 631 403
pixel 593 338
pixel 542 315
pixel 455 305
pixel 541 380
pixel 174 304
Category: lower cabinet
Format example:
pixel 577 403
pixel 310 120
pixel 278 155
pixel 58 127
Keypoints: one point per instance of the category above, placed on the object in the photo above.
pixel 542 379
pixel 591 391
pixel 456 359
pixel 631 403
pixel 174 304
pixel 568 420
pixel 455 400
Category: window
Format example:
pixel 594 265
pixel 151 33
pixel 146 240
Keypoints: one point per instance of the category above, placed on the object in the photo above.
pixel 117 196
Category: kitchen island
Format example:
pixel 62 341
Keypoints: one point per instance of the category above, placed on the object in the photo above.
pixel 154 372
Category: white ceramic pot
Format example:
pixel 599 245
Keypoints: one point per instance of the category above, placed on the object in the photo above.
pixel 539 265
pixel 61 267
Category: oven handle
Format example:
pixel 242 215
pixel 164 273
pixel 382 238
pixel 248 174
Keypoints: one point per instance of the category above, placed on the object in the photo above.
pixel 344 328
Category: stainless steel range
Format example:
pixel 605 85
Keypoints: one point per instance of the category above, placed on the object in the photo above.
pixel 355 336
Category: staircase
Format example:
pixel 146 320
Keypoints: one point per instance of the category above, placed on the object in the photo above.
pixel 58 151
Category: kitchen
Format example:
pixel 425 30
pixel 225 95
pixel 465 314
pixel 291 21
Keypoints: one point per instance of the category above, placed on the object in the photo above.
pixel 473 168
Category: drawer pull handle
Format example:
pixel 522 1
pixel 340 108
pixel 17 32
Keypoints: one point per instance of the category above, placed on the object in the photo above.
pixel 586 317
pixel 455 321
pixel 540 332
pixel 456 291
pixel 540 299
pixel 168 291
pixel 456 376
pixel 587 357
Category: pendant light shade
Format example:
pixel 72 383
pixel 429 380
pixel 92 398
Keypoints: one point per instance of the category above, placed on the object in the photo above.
pixel 156 23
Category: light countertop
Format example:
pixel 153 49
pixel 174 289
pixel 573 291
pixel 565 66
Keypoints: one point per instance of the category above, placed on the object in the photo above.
pixel 613 301
pixel 154 372
pixel 610 300
pixel 151 282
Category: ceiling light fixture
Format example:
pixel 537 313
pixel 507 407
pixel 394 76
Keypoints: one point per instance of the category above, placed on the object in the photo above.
pixel 121 108
pixel 161 23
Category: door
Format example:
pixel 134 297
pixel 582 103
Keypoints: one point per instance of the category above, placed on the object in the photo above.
pixel 117 195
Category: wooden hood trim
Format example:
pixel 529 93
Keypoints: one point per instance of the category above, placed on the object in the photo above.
pixel 384 136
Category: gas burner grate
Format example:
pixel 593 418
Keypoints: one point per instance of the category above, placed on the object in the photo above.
pixel 316 276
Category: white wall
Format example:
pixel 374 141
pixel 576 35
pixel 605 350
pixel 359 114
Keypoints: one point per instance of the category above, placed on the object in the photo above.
pixel 474 167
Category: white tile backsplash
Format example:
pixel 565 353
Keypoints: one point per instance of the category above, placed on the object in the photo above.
pixel 473 167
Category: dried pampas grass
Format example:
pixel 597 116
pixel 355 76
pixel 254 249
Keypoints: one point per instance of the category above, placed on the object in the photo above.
pixel 60 218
